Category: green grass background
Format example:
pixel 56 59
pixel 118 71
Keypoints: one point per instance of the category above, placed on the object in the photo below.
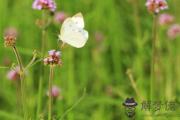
pixel 99 67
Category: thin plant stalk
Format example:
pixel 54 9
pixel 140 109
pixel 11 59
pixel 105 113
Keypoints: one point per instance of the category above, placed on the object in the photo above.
pixel 137 18
pixel 18 96
pixel 39 105
pixel 43 41
pixel 21 79
pixel 18 60
pixel 50 93
pixel 133 83
pixel 153 61
pixel 62 46
pixel 169 70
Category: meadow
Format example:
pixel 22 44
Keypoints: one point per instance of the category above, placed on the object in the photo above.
pixel 94 81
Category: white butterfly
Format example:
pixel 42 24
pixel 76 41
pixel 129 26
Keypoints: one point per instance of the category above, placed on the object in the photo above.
pixel 72 31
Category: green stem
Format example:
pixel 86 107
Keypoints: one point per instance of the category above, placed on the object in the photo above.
pixel 50 93
pixel 43 42
pixel 18 60
pixel 154 36
pixel 18 96
pixel 137 19
pixel 133 83
pixel 21 79
pixel 39 105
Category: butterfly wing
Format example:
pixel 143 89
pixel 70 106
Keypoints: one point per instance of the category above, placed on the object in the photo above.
pixel 72 31
pixel 66 25
pixel 78 20
pixel 75 37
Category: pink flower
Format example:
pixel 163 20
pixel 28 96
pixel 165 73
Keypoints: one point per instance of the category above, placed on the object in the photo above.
pixel 59 17
pixel 44 4
pixel 156 5
pixel 165 19
pixel 9 41
pixel 10 35
pixel 53 58
pixel 174 31
pixel 52 52
pixel 55 92
pixel 14 74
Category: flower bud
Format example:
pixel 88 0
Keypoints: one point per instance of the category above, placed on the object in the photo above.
pixel 9 41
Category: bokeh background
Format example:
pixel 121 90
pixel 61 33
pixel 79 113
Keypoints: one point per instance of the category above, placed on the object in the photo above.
pixel 119 40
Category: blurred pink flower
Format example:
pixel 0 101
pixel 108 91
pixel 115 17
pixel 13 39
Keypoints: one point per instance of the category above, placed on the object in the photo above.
pixel 11 31
pixel 156 5
pixel 99 36
pixel 14 74
pixel 166 19
pixel 44 4
pixel 53 58
pixel 174 31
pixel 55 92
pixel 60 17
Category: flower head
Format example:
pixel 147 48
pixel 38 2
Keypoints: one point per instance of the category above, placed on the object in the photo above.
pixel 9 40
pixel 10 35
pixel 55 92
pixel 53 58
pixel 14 74
pixel 156 5
pixel 44 4
pixel 166 19
pixel 60 17
pixel 174 31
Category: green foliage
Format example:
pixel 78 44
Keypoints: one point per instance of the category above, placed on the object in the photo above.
pixel 100 67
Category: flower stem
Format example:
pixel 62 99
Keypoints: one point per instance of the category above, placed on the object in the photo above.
pixel 18 96
pixel 21 79
pixel 153 61
pixel 39 105
pixel 133 83
pixel 50 93
pixel 139 95
pixel 18 60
